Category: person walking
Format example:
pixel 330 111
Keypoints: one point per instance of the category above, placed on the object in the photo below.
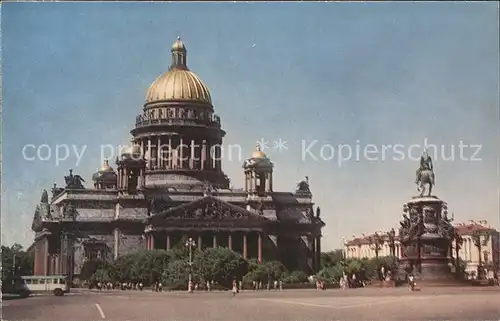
pixel 235 287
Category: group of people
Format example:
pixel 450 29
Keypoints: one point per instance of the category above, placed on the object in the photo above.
pixel 138 286
pixel 277 285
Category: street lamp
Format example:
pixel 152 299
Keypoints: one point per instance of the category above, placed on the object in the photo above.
pixel 13 269
pixel 190 244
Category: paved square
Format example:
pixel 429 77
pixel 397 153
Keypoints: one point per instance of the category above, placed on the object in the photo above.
pixel 354 304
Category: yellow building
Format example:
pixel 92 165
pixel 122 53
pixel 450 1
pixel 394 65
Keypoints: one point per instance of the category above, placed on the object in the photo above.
pixel 365 246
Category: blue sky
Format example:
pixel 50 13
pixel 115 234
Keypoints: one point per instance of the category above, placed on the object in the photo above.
pixel 338 73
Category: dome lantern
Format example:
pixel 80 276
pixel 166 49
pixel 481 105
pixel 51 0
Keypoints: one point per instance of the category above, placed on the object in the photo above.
pixel 179 55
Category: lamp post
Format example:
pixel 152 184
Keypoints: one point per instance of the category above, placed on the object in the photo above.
pixel 190 243
pixel 13 269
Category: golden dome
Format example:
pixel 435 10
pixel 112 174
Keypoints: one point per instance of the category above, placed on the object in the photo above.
pixel 105 167
pixel 178 83
pixel 258 153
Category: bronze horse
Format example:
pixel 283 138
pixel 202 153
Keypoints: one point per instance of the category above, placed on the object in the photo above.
pixel 425 182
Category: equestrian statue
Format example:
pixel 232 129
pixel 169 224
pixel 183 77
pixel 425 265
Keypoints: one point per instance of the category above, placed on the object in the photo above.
pixel 425 175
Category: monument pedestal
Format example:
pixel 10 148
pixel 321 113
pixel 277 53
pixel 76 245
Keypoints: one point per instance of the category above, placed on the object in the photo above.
pixel 426 242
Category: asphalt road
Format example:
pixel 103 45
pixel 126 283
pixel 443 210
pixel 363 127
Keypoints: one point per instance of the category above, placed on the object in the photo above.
pixel 352 304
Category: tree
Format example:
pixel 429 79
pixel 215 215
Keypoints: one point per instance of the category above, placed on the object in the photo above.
pixel 220 265
pixel 176 274
pixel 331 258
pixel 15 262
pixel 295 277
pixel 376 242
pixel 459 241
pixel 264 272
pixel 90 267
pixel 331 274
pixel 480 239
pixel 146 266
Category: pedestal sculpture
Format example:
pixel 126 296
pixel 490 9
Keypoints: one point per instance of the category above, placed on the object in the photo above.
pixel 426 231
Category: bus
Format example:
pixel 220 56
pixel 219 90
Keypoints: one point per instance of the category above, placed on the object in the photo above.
pixel 57 284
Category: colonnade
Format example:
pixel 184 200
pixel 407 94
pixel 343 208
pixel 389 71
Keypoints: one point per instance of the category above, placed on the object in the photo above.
pixel 151 242
pixel 175 152
pixel 253 180
pixel 124 174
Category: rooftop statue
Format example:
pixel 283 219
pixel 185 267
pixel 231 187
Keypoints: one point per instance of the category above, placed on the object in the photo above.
pixel 74 181
pixel 425 175
pixel 45 197
pixel 303 186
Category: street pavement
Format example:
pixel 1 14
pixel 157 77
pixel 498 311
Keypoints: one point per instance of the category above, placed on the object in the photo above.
pixel 350 304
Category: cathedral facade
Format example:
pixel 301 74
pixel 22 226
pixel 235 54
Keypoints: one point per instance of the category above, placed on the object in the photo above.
pixel 169 185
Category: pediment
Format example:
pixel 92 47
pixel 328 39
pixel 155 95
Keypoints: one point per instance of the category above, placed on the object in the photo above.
pixel 210 208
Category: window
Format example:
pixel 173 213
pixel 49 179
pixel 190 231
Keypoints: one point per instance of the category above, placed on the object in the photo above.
pixel 54 281
pixel 34 281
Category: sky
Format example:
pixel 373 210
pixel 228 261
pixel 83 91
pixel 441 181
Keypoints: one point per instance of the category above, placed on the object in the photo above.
pixel 315 75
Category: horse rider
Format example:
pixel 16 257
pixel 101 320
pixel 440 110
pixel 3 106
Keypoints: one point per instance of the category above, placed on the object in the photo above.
pixel 425 164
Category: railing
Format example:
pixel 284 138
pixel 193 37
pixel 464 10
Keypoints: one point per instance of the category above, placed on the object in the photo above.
pixel 173 122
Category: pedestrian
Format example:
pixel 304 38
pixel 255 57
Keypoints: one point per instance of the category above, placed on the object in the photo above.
pixel 275 285
pixel 235 287
pixel 281 285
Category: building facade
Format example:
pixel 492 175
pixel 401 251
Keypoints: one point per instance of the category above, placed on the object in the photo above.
pixel 169 185
pixel 365 246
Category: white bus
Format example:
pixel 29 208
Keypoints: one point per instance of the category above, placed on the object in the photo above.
pixel 57 284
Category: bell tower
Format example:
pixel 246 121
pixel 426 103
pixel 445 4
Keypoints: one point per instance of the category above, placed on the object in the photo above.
pixel 258 173
pixel 131 168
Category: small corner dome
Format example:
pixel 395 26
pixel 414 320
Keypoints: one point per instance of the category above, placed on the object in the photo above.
pixel 258 159
pixel 178 83
pixel 106 172
pixel 131 150
pixel 258 153
pixel 106 168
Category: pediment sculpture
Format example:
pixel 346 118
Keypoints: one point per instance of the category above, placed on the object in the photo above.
pixel 209 210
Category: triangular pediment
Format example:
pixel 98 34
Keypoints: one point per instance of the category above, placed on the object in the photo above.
pixel 210 208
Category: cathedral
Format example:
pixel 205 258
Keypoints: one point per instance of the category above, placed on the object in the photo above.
pixel 169 185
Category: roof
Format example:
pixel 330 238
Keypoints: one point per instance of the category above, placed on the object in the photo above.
pixel 471 227
pixel 365 239
pixel 207 208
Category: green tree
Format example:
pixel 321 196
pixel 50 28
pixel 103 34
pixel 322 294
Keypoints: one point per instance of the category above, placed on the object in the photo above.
pixel 295 277
pixel 221 265
pixel 15 262
pixel 90 267
pixel 176 275
pixel 146 266
pixel 268 270
pixel 331 274
pixel 101 275
pixel 331 258
pixel 480 239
